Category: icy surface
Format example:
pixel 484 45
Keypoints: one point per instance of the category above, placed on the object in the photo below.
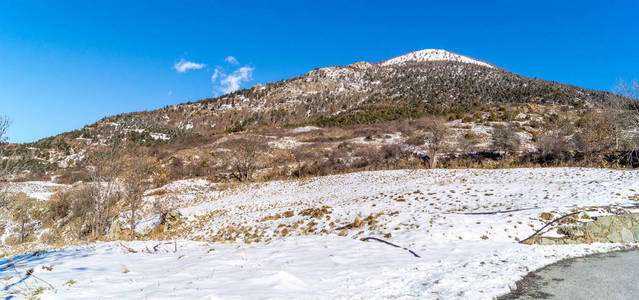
pixel 604 276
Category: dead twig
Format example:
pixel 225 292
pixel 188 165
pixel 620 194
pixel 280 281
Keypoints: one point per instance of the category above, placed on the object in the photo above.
pixel 28 273
pixel 347 226
pixel 496 212
pixel 128 249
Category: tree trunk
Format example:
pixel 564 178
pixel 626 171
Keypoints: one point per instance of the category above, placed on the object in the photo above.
pixel 433 160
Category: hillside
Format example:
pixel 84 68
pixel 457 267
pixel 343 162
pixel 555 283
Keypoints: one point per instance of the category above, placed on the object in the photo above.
pixel 414 86
pixel 441 82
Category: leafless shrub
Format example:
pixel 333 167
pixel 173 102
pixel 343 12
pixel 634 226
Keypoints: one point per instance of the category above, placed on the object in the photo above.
pixel 627 116
pixel 137 178
pixel 391 151
pixel 73 175
pixel 367 156
pixel 558 140
pixel 468 143
pixel 405 126
pixel 4 127
pixel 82 210
pixel 416 140
pixel 628 90
pixel 162 206
pixel 58 207
pixel 21 212
pixel 93 203
pixel 506 139
pixel 244 159
pixel 303 159
pixel 437 131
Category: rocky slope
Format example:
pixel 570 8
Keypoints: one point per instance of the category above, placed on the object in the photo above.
pixel 423 83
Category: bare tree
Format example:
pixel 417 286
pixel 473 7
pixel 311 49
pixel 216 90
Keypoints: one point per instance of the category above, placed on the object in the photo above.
pixel 626 118
pixel 629 105
pixel 467 143
pixel 104 190
pixel 436 133
pixel 4 127
pixel 506 139
pixel 244 164
pixel 82 209
pixel 628 90
pixel 301 162
pixel 244 160
pixel 558 138
pixel 137 179
pixel 21 213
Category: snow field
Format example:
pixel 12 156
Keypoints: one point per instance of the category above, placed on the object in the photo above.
pixel 243 252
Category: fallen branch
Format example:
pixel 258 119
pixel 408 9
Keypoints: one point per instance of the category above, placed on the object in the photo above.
pixel 28 273
pixel 128 249
pixel 390 244
pixel 496 212
pixel 347 226
pixel 156 248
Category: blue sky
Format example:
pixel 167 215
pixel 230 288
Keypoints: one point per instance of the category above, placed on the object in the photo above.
pixel 65 64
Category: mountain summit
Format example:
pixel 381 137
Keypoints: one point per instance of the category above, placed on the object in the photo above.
pixel 427 55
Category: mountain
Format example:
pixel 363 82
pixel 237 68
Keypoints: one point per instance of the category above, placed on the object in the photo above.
pixel 422 83
pixel 436 79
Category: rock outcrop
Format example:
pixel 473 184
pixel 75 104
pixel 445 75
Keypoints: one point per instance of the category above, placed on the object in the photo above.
pixel 603 229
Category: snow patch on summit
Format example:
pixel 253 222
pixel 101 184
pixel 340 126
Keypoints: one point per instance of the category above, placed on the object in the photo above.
pixel 433 55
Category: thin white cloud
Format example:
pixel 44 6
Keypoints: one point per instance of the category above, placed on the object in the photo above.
pixel 231 60
pixel 170 93
pixel 231 83
pixel 216 74
pixel 184 65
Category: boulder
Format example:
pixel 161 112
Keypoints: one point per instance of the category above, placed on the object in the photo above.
pixel 614 237
pixel 626 235
pixel 635 231
pixel 115 231
pixel 547 241
pixel 605 221
pixel 603 229
pixel 572 231
pixel 171 219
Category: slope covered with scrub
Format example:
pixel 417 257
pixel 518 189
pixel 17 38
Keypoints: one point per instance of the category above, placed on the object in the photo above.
pixel 416 85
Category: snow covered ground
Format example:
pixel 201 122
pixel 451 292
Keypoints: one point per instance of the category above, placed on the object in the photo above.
pixel 305 238
pixel 433 55
pixel 40 190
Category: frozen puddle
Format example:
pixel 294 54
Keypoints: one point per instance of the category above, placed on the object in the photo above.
pixel 602 276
